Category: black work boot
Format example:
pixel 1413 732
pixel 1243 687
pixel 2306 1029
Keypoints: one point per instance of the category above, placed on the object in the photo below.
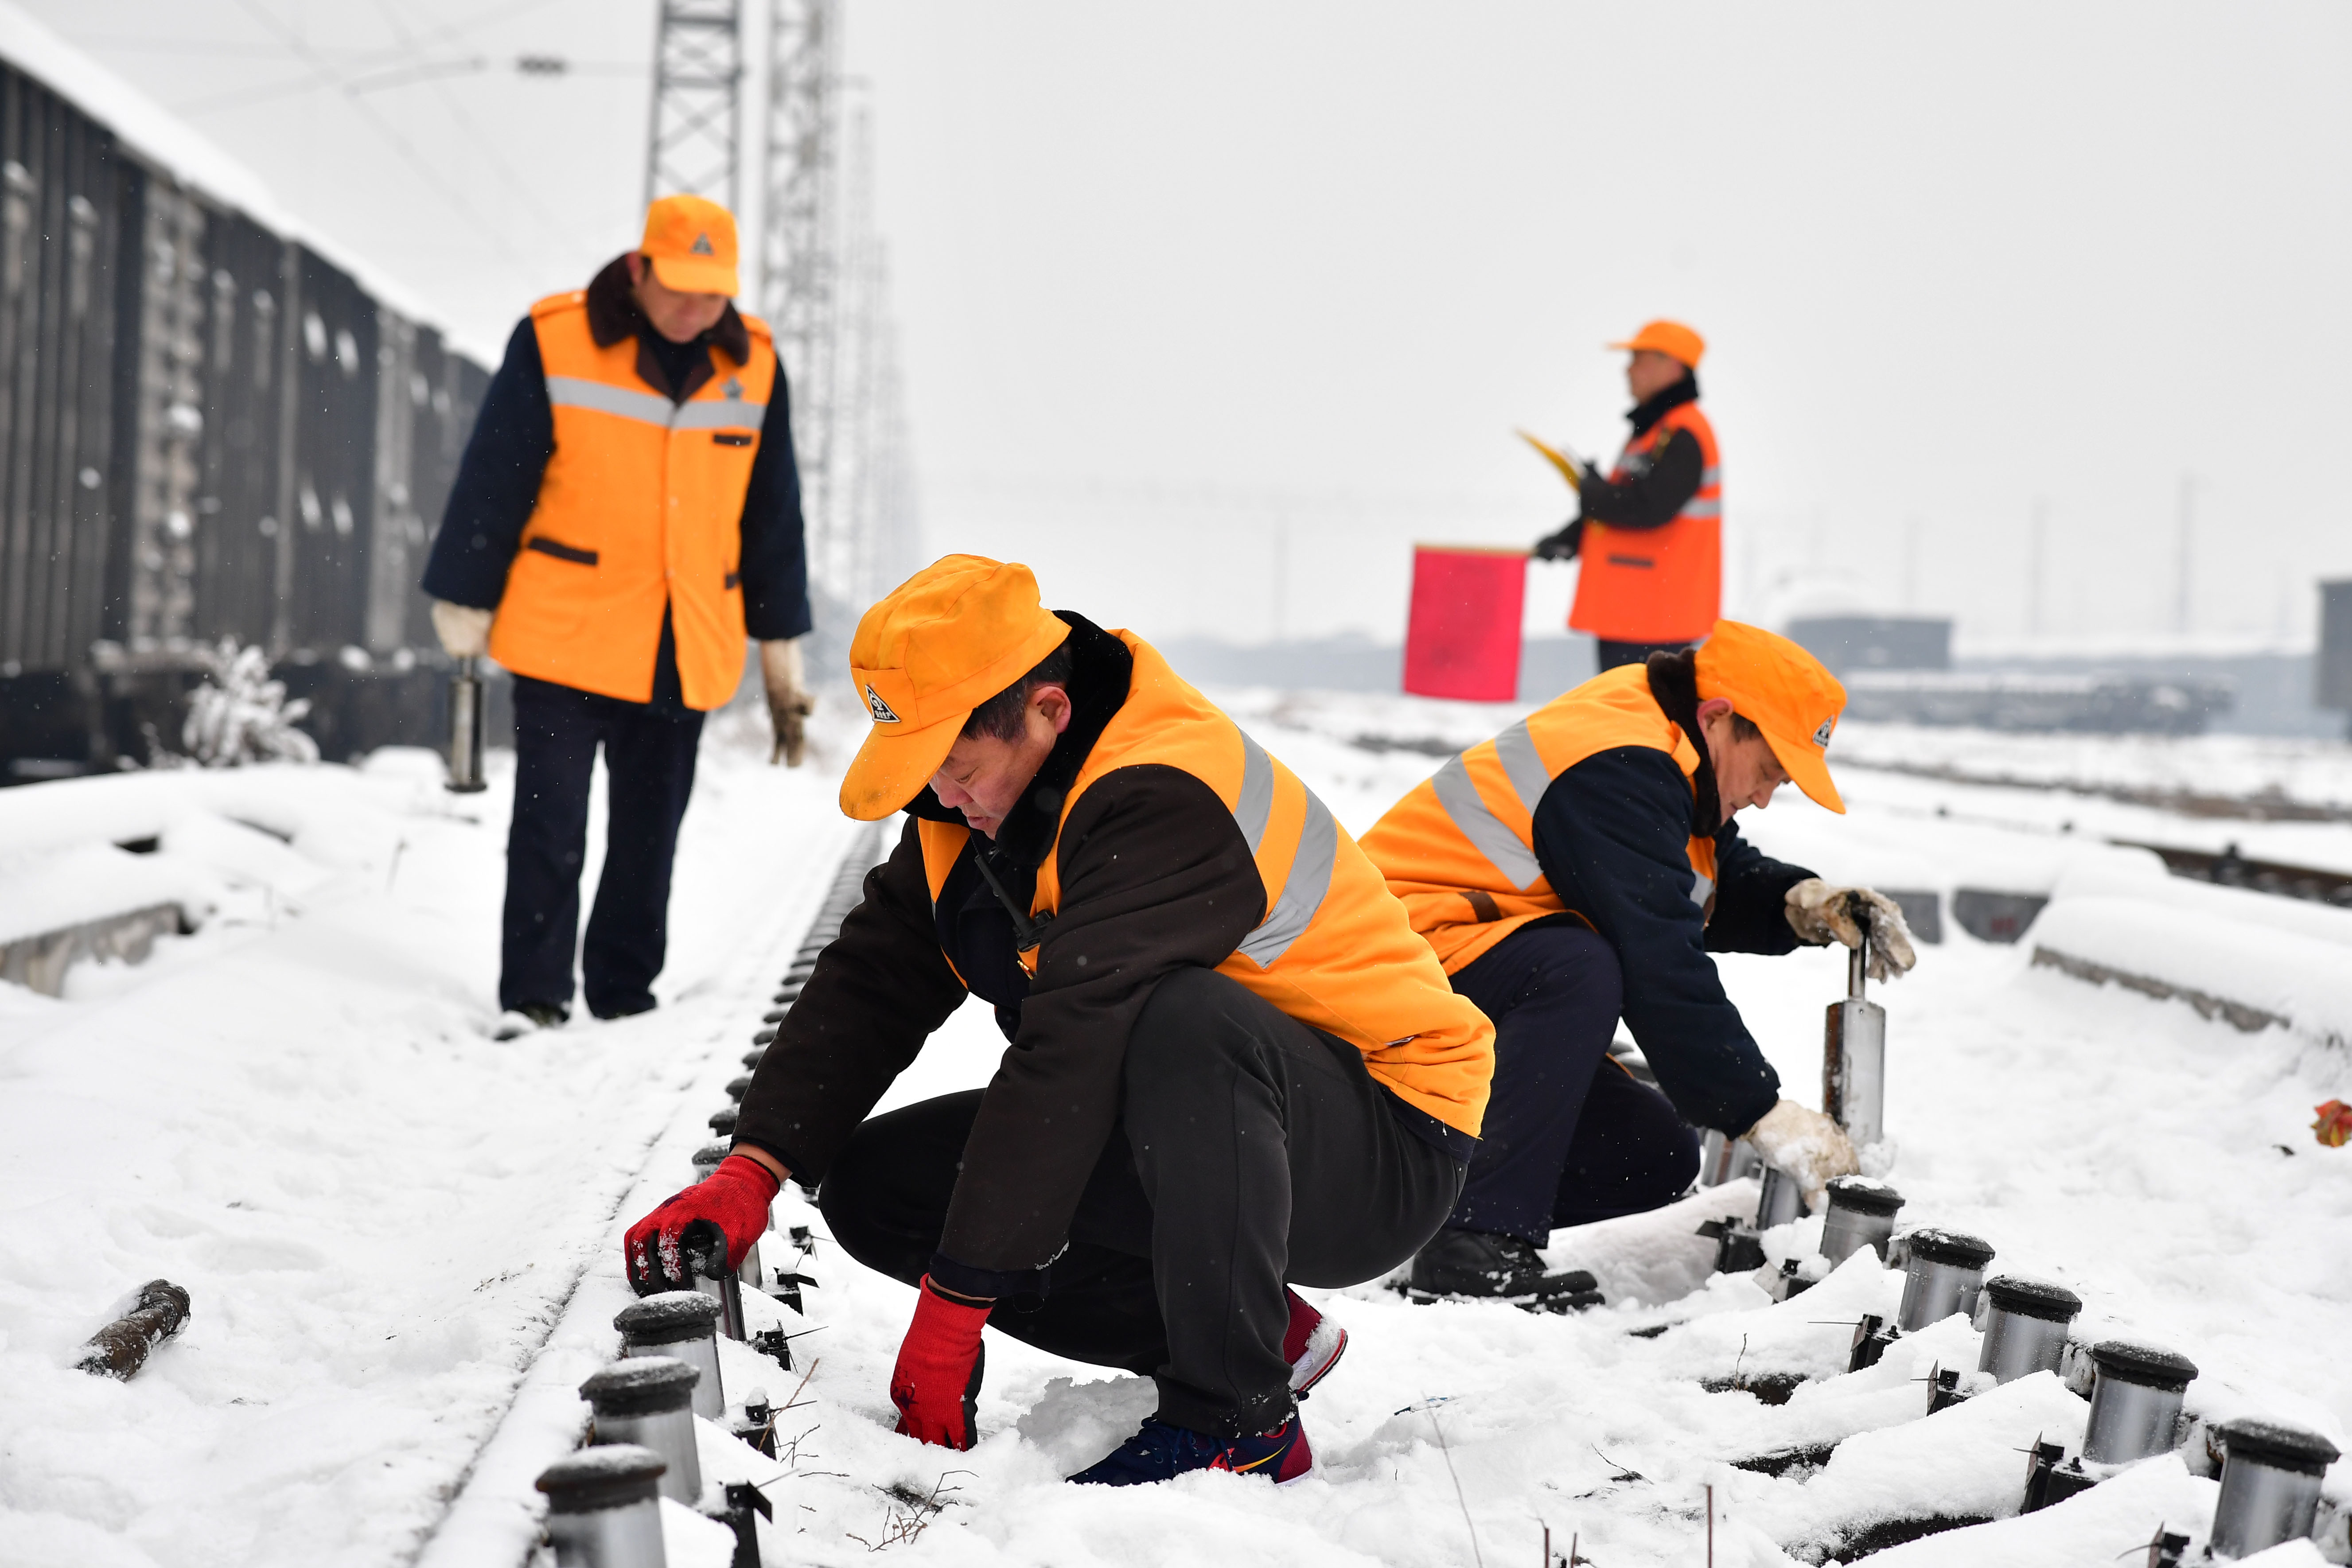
pixel 516 1022
pixel 1475 1265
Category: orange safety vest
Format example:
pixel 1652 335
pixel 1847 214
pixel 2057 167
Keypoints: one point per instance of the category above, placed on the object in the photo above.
pixel 1663 584
pixel 1334 950
pixel 641 508
pixel 1460 848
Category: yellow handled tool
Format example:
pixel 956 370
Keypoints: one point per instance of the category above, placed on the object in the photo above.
pixel 1566 465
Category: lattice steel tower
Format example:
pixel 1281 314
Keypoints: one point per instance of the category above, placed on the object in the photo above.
pixel 697 110
pixel 799 262
pixel 824 287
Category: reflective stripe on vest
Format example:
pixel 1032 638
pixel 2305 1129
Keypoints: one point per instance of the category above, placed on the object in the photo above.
pixel 1459 850
pixel 651 407
pixel 639 519
pixel 1333 950
pixel 1308 879
pixel 1514 861
pixel 1708 499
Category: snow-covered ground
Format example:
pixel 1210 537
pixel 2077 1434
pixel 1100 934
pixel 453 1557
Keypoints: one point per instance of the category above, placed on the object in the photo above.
pixel 2298 771
pixel 390 1226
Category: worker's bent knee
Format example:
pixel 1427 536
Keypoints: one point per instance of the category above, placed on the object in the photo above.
pixel 1193 1017
pixel 1578 965
pixel 845 1199
pixel 1660 1155
pixel 1679 1165
pixel 869 1214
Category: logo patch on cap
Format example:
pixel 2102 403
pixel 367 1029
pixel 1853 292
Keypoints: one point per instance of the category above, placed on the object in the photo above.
pixel 879 709
pixel 701 245
pixel 1821 735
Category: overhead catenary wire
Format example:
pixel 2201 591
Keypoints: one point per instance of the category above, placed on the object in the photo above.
pixel 485 147
pixel 445 32
pixel 433 178
pixel 541 66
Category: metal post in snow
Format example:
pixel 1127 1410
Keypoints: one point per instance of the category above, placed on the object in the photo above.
pixel 603 1508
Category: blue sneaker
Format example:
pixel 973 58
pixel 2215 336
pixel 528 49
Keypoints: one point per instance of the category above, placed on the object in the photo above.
pixel 1159 1451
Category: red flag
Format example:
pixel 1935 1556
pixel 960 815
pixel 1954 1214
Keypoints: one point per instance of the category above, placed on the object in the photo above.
pixel 1463 637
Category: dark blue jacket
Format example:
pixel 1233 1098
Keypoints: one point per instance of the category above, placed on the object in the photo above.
pixel 1612 836
pixel 514 436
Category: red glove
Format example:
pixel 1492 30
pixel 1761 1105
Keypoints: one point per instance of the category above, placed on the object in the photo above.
pixel 936 1385
pixel 729 1208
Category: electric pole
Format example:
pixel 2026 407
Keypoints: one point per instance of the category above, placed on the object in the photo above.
pixel 692 147
pixel 800 264
pixel 2036 562
pixel 825 290
pixel 2188 539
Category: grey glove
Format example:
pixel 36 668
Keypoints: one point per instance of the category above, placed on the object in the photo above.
pixel 789 702
pixel 464 631
pixel 1805 1146
pixel 1820 913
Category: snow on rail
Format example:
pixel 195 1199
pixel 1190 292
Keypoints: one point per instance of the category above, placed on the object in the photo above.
pixel 495 1516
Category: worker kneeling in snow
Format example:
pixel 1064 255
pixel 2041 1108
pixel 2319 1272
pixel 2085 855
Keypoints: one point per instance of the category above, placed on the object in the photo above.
pixel 1233 1065
pixel 1581 866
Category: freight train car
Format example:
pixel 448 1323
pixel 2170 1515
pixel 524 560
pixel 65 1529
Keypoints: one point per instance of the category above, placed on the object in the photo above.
pixel 208 430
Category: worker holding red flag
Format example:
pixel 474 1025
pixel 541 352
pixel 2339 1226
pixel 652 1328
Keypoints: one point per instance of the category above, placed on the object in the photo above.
pixel 1650 533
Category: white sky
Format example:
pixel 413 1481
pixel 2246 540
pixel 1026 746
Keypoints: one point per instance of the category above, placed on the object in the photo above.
pixel 1198 298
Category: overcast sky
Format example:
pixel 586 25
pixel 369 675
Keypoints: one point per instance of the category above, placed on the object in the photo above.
pixel 1210 310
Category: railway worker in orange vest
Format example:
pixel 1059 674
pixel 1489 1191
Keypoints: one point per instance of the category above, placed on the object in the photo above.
pixel 1580 866
pixel 1231 1065
pixel 627 513
pixel 1651 532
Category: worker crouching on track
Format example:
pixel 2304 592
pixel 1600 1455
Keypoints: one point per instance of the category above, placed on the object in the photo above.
pixel 1233 1065
pixel 1580 866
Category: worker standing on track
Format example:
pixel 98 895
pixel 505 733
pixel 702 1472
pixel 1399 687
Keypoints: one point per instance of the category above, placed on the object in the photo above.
pixel 627 512
pixel 1580 866
pixel 1231 1065
pixel 1650 534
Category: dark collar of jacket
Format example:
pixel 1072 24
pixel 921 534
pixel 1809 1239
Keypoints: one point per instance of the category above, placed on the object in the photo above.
pixel 1673 686
pixel 1659 406
pixel 1101 672
pixel 612 314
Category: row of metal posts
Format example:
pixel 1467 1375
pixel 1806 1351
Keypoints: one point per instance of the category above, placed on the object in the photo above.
pixel 603 1501
pixel 2271 1473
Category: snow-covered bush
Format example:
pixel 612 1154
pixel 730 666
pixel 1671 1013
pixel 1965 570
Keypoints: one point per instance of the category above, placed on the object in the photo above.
pixel 239 715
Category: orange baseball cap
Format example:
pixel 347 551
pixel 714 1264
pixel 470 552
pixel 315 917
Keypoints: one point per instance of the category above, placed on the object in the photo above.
pixel 1671 339
pixel 691 243
pixel 945 641
pixel 1782 690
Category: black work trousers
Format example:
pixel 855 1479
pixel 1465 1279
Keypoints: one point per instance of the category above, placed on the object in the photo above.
pixel 1571 1137
pixel 1251 1152
pixel 1612 653
pixel 649 769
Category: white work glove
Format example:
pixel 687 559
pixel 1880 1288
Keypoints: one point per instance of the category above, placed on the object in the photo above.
pixel 464 631
pixel 1805 1146
pixel 789 702
pixel 1818 912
